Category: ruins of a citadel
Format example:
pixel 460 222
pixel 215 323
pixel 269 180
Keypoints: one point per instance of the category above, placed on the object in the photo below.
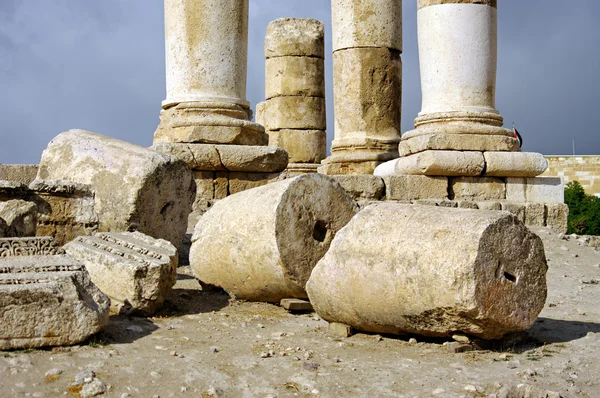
pixel 420 233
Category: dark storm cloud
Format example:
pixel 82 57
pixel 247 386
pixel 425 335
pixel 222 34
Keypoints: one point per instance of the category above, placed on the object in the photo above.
pixel 99 65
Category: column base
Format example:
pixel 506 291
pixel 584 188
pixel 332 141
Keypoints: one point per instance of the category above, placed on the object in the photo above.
pixel 209 123
pixel 466 164
pixel 458 142
pixel 296 169
pixel 358 158
pixel 480 123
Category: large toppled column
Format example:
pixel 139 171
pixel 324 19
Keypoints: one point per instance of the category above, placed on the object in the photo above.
pixel 294 111
pixel 206 107
pixel 431 271
pixel 262 244
pixel 367 79
pixel 134 188
pixel 46 297
pixel 459 131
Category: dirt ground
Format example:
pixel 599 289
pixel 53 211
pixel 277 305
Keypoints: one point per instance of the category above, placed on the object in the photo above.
pixel 202 344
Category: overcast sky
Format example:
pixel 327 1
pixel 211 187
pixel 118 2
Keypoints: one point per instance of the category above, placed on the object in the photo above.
pixel 99 66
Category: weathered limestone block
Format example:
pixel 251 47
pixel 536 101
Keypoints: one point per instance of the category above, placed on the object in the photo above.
pixel 46 297
pixel 359 23
pixel 306 113
pixel 414 187
pixel 266 248
pixel 535 214
pixel 514 164
pixel 303 146
pixel 295 76
pixel 240 181
pixel 300 37
pixel 517 209
pixel 467 204
pixel 540 189
pixel 135 188
pixel 477 188
pixel 134 270
pixel 20 218
pixel 362 186
pixel 489 205
pixel 458 142
pixel 367 95
pixel 21 173
pixel 259 115
pixel 431 271
pixel 261 159
pixel 65 209
pixel 441 163
pixel 209 123
pixel 557 216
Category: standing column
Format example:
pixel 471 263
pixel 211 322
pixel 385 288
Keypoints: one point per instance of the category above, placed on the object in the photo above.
pixel 458 131
pixel 367 78
pixel 294 111
pixel 206 61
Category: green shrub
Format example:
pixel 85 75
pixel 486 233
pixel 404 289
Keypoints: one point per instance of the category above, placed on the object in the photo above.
pixel 584 210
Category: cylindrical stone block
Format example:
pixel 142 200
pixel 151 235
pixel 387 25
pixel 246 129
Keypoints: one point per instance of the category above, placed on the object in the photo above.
pixel 294 76
pixel 299 37
pixel 360 23
pixel 206 51
pixel 474 271
pixel 302 146
pixel 135 188
pixel 367 96
pixel 266 248
pixel 305 113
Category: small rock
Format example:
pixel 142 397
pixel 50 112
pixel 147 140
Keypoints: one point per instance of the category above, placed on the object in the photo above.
pixel 461 338
pixel 93 388
pixel 214 349
pixel 53 374
pixel 135 329
pixel 471 388
pixel 339 329
pixel 412 340
pixel 438 391
pixel 312 366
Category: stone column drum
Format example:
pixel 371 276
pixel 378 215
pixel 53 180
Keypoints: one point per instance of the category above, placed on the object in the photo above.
pixel 206 61
pixel 458 57
pixel 294 111
pixel 367 43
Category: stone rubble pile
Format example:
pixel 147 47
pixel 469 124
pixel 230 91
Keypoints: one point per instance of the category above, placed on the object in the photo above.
pixel 294 110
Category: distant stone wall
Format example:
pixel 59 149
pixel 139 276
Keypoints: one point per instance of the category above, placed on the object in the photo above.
pixel 22 173
pixel 584 169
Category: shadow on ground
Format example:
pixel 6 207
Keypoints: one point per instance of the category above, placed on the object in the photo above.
pixel 548 330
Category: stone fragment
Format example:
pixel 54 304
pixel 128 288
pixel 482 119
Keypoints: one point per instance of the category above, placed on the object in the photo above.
pixel 431 271
pixel 540 189
pixel 442 163
pixel 294 76
pixel 514 164
pixel 467 204
pixel 302 146
pixel 301 37
pixel 489 205
pixel 535 214
pixel 21 173
pixel 517 209
pixel 414 187
pixel 20 218
pixel 134 270
pixel 46 297
pixel 261 159
pixel 12 190
pixel 557 216
pixel 305 113
pixel 266 248
pixel 339 329
pixel 477 188
pixel 359 23
pixel 65 209
pixel 135 188
pixel 457 142
pixel 296 305
pixel 362 186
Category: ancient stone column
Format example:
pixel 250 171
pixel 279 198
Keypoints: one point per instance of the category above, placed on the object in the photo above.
pixel 459 131
pixel 367 78
pixel 206 114
pixel 294 111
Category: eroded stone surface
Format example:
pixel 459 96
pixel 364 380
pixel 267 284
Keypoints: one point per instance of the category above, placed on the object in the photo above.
pixel 431 271
pixel 414 187
pixel 295 76
pixel 362 186
pixel 442 163
pixel 19 218
pixel 305 113
pixel 302 146
pixel 266 248
pixel 46 297
pixel 477 188
pixel 135 188
pixel 514 164
pixel 557 216
pixel 65 209
pixel 21 173
pixel 135 270
pixel 540 189
pixel 457 142
pixel 301 37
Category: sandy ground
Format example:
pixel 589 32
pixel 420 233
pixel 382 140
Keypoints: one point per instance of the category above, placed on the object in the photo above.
pixel 203 344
